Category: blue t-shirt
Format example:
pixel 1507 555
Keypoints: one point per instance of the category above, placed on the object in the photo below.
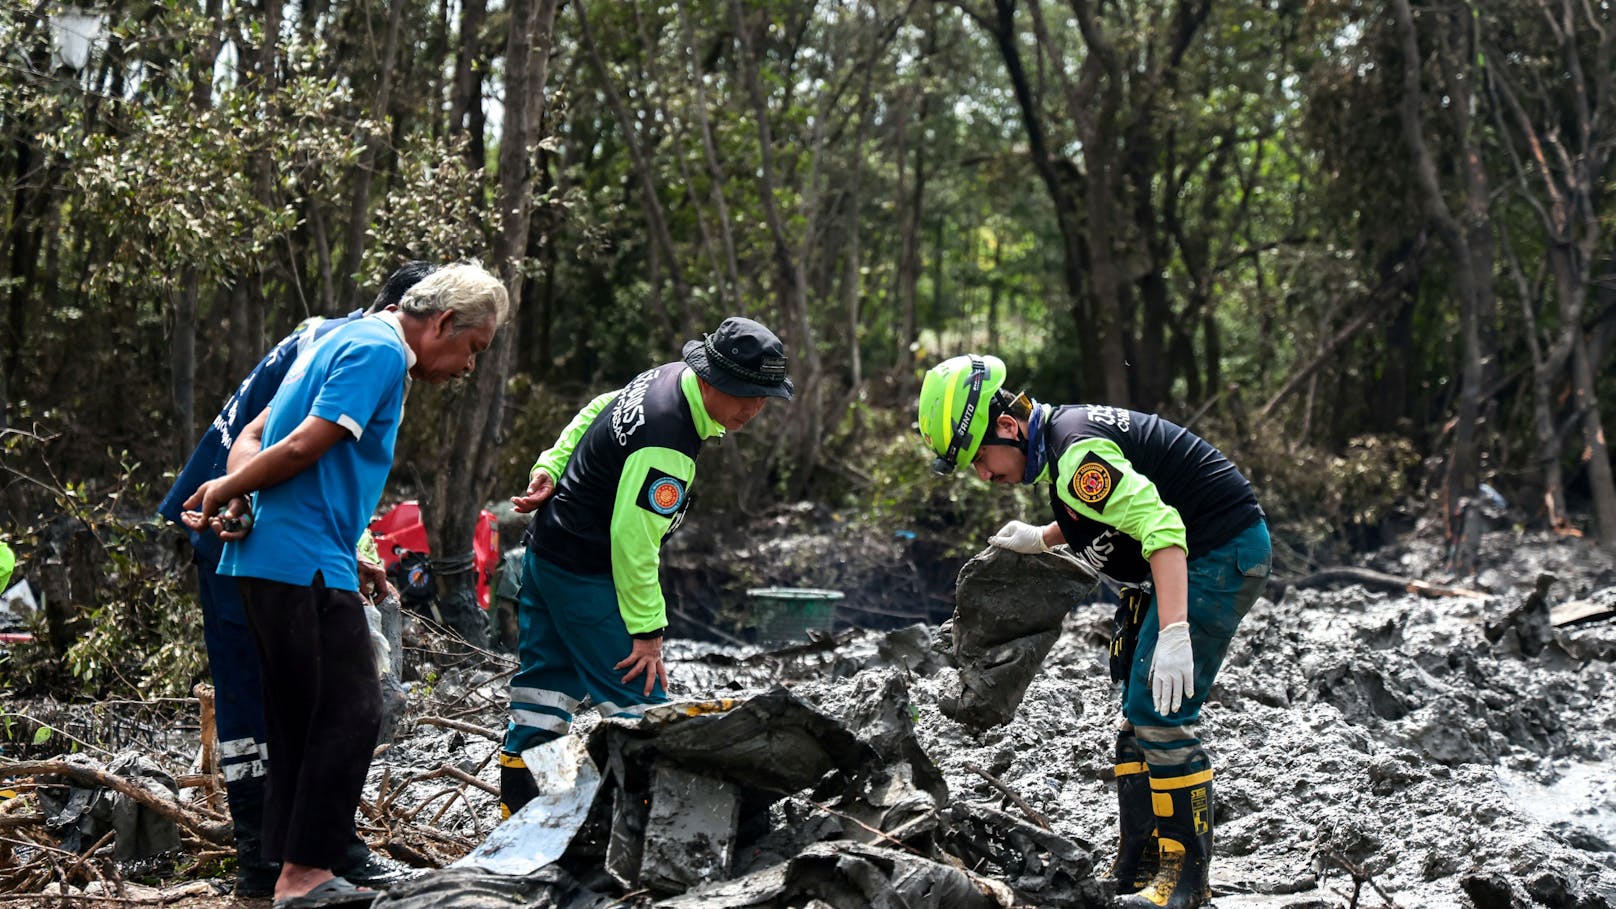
pixel 209 460
pixel 353 377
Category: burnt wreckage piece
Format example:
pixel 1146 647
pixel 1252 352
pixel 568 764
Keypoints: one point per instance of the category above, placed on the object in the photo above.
pixel 1007 615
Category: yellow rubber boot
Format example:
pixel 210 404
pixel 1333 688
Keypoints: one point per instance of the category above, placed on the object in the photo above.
pixel 1135 863
pixel 1182 798
pixel 516 785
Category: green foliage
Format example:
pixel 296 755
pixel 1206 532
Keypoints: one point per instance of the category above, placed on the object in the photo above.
pixel 131 628
pixel 437 211
pixel 892 488
pixel 1316 499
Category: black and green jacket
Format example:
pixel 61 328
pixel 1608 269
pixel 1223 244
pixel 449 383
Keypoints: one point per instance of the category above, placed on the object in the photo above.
pixel 623 469
pixel 1126 484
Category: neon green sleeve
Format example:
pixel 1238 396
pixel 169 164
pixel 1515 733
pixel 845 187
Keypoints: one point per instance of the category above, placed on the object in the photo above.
pixel 650 491
pixel 555 458
pixel 367 547
pixel 1096 481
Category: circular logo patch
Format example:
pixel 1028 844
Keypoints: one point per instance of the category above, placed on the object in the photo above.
pixel 1092 483
pixel 665 495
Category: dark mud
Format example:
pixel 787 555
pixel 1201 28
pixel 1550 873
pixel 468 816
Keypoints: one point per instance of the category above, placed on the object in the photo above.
pixel 1391 749
pixel 1398 738
pixel 1371 748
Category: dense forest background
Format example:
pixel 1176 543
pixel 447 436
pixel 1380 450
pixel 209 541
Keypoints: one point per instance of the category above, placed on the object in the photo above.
pixel 1364 246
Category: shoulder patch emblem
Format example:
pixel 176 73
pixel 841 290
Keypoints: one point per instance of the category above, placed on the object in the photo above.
pixel 1094 481
pixel 661 493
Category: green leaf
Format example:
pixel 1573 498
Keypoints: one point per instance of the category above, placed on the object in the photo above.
pixel 42 735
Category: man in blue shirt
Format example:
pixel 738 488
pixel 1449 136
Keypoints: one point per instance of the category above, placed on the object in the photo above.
pixel 232 662
pixel 315 462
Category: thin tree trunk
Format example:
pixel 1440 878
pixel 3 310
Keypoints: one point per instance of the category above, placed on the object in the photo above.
pixel 1544 369
pixel 183 356
pixel 472 415
pixel 320 231
pixel 793 286
pixel 655 218
pixel 709 150
pixel 365 168
pixel 1570 157
pixel 853 273
pixel 1471 276
pixel 911 198
pixel 465 103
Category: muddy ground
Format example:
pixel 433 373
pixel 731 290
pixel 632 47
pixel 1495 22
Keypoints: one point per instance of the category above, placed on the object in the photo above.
pixel 1371 748
pixel 1388 748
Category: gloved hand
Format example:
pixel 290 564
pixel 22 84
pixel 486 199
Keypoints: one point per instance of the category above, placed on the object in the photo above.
pixel 1172 670
pixel 1019 536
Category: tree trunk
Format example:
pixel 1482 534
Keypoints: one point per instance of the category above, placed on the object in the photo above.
pixel 1472 275
pixel 466 101
pixel 793 286
pixel 1097 343
pixel 1568 147
pixel 1600 481
pixel 656 220
pixel 472 414
pixel 183 355
pixel 911 199
pixel 359 205
pixel 709 149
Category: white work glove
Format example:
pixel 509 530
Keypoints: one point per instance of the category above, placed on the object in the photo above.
pixel 1019 536
pixel 1172 671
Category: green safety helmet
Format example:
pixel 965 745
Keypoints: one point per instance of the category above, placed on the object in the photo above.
pixel 954 412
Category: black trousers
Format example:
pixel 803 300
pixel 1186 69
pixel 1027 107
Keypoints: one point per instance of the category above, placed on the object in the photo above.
pixel 322 707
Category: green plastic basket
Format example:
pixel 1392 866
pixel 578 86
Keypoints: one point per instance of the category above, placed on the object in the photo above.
pixel 784 615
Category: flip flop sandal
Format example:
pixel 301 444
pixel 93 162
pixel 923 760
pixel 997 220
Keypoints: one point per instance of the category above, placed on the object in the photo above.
pixel 337 891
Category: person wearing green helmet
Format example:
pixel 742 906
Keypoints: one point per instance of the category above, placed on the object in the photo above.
pixel 1158 510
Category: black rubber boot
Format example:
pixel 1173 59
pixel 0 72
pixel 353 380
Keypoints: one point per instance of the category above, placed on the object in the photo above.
pixel 1135 863
pixel 516 785
pixel 1182 796
pixel 255 875
pixel 366 868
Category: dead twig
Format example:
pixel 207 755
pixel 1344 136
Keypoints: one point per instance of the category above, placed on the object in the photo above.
pixel 468 728
pixel 1380 580
pixel 1026 809
pixel 1359 876
pixel 882 834
pixel 204 824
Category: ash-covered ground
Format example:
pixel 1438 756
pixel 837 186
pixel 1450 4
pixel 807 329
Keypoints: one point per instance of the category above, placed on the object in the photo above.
pixel 1371 748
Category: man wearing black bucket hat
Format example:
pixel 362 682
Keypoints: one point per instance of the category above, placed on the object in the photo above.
pixel 616 482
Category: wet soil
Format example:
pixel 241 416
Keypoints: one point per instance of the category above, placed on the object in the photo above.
pixel 1371 748
pixel 1391 749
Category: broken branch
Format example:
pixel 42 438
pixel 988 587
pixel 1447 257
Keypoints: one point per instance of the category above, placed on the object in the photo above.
pixel 1031 813
pixel 209 826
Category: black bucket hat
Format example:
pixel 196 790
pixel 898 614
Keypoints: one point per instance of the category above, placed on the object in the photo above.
pixel 741 358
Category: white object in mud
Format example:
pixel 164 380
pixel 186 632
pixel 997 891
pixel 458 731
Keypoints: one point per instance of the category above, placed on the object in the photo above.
pixel 536 835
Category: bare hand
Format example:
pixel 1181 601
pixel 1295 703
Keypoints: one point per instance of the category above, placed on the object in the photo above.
pixel 540 487
pixel 373 577
pixel 646 657
pixel 229 520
